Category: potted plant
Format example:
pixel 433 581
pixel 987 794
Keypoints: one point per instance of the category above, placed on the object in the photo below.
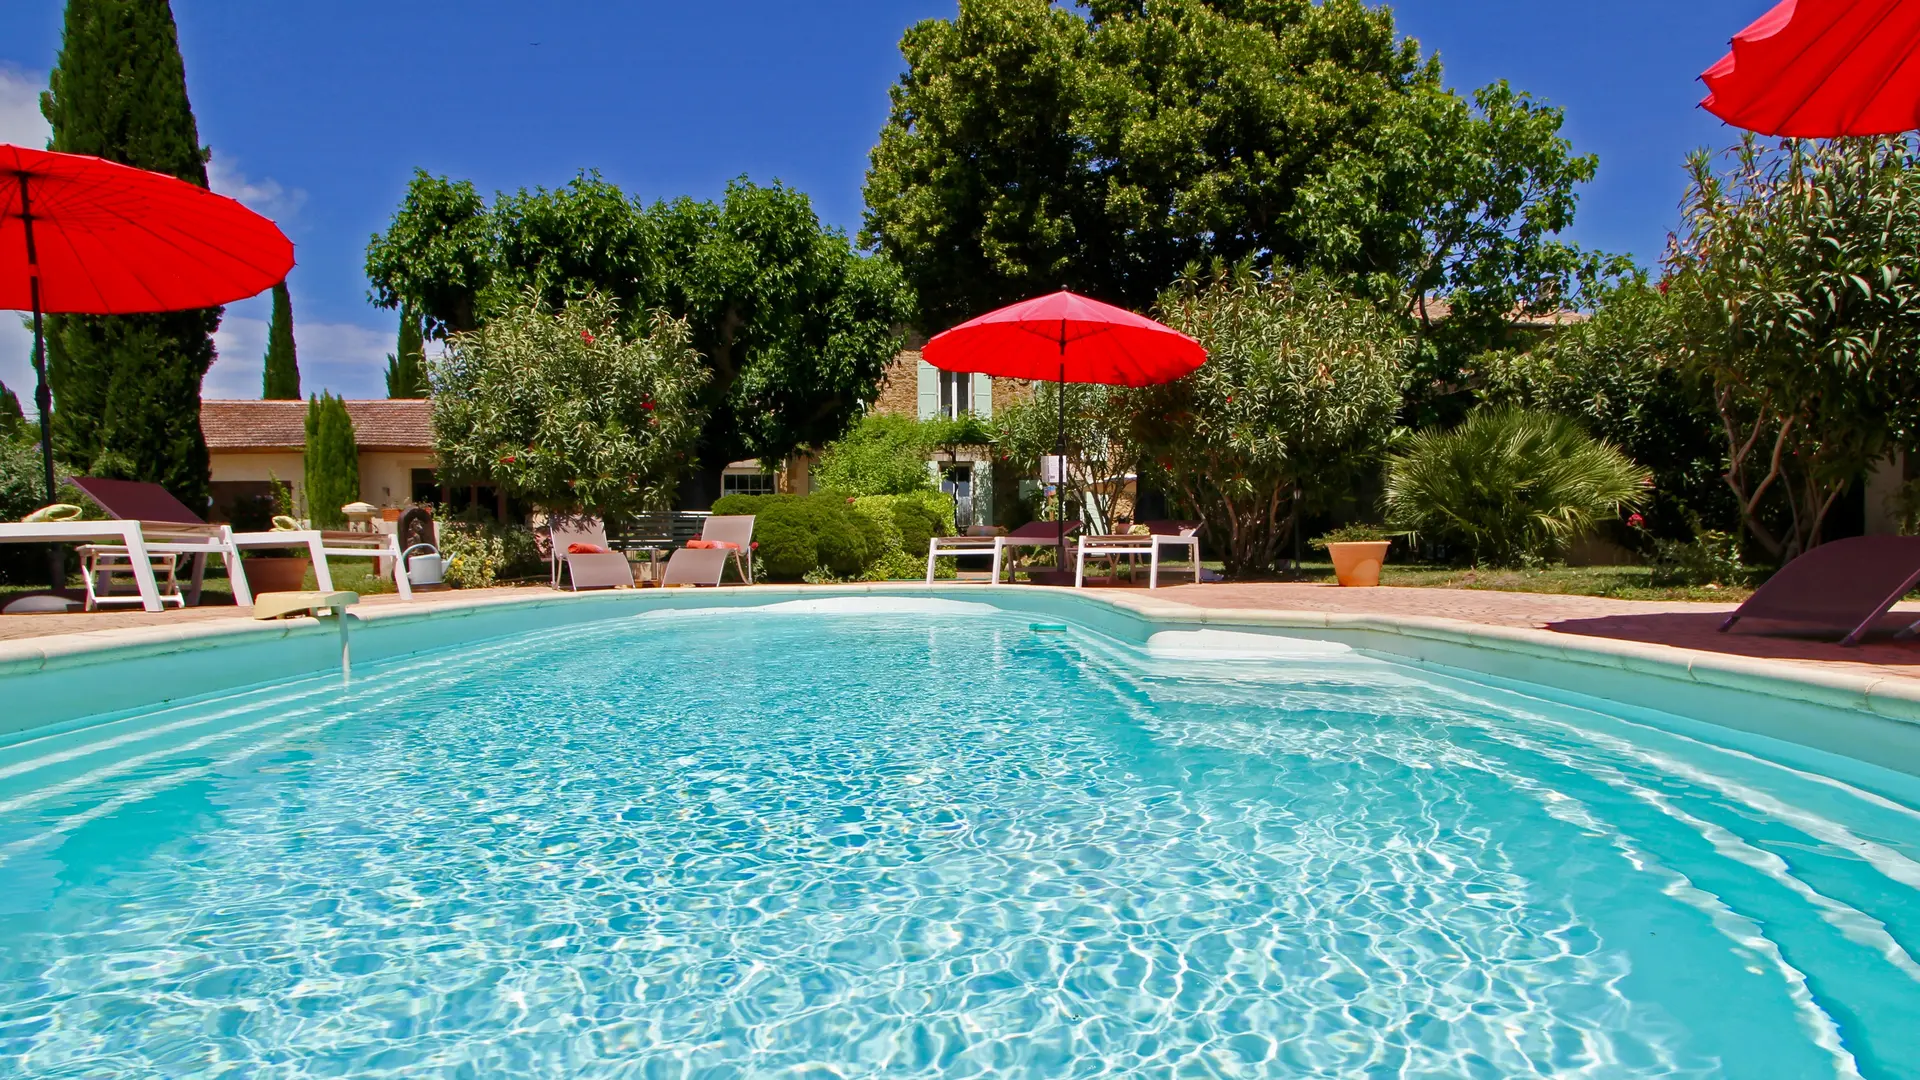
pixel 1358 552
pixel 274 569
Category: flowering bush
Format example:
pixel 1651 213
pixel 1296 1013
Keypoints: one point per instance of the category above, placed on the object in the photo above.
pixel 1294 405
pixel 474 559
pixel 567 409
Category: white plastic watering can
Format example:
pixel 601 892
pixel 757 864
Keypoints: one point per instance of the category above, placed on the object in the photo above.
pixel 424 569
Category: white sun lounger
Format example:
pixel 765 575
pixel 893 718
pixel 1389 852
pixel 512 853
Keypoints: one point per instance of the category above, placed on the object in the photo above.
pixel 586 569
pixel 707 566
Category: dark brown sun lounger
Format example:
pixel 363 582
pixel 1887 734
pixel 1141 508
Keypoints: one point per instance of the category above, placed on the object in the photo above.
pixel 1844 585
pixel 131 500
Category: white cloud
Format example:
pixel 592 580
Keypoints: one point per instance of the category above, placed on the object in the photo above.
pixel 16 358
pixel 346 358
pixel 266 196
pixel 20 121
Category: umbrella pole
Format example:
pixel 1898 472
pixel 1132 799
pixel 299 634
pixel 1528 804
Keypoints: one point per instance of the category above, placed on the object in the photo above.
pixel 42 396
pixel 1060 453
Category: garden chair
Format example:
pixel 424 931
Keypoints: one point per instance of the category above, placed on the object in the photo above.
pixel 1034 534
pixel 1179 535
pixel 724 539
pixel 577 548
pixel 1843 585
pixel 978 540
pixel 174 531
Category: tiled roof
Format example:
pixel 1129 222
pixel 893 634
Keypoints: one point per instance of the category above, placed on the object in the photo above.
pixel 1520 319
pixel 405 425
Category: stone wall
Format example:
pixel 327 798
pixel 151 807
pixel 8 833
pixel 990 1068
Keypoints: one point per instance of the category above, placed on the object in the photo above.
pixel 900 386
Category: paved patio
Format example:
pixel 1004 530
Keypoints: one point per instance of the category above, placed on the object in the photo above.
pixel 1677 624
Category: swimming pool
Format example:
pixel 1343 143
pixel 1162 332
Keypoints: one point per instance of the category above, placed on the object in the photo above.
pixel 938 840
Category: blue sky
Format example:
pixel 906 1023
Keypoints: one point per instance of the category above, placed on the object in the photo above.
pixel 317 113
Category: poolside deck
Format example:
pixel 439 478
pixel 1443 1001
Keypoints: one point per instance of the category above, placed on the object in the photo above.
pixel 1680 625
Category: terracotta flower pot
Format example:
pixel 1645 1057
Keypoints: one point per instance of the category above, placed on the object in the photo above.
pixel 1357 563
pixel 285 573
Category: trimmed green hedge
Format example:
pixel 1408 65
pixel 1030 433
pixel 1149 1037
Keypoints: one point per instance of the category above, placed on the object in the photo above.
pixel 875 537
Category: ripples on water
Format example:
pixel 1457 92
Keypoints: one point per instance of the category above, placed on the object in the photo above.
pixel 920 846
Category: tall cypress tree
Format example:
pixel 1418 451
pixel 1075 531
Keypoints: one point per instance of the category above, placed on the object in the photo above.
pixel 127 387
pixel 12 421
pixel 332 461
pixel 407 368
pixel 280 381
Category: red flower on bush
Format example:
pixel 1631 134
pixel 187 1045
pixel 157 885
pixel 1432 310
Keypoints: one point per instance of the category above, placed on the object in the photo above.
pixel 508 459
pixel 586 336
pixel 647 405
pixel 1635 520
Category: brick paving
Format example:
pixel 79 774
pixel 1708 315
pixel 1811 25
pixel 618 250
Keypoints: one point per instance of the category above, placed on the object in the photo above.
pixel 1675 623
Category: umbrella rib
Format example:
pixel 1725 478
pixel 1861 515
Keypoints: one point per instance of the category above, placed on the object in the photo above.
pixel 1888 71
pixel 1814 86
pixel 199 257
pixel 59 236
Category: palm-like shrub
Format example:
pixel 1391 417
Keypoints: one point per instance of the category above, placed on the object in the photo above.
pixel 1509 486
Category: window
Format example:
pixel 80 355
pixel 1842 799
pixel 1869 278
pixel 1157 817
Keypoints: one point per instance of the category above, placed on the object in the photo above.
pixel 956 394
pixel 746 483
pixel 957 481
pixel 424 487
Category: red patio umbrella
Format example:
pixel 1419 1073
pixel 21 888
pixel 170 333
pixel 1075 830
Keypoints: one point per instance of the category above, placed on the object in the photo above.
pixel 1822 69
pixel 83 236
pixel 1067 338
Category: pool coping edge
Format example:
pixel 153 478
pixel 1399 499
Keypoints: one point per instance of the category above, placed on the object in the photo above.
pixel 1887 696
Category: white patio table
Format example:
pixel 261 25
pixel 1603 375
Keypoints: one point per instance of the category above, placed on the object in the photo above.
pixel 142 539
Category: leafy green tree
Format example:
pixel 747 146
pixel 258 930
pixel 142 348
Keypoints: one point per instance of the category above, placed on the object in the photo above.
pixel 568 408
pixel 407 367
pixel 1098 443
pixel 128 386
pixel 1614 373
pixel 1295 402
pixel 437 256
pixel 1795 287
pixel 794 326
pixel 1029 148
pixel 280 377
pixel 332 461
pixel 1509 487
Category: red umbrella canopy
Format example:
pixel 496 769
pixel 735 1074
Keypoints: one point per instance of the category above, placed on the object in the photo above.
pixel 1822 69
pixel 114 240
pixel 1067 338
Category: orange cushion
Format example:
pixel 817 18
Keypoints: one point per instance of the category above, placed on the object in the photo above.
pixel 723 545
pixel 587 549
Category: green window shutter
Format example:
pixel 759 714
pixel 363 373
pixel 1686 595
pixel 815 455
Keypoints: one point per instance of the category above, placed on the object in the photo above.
pixel 982 396
pixel 929 391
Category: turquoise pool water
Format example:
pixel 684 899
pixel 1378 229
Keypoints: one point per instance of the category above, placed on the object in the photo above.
pixel 935 844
